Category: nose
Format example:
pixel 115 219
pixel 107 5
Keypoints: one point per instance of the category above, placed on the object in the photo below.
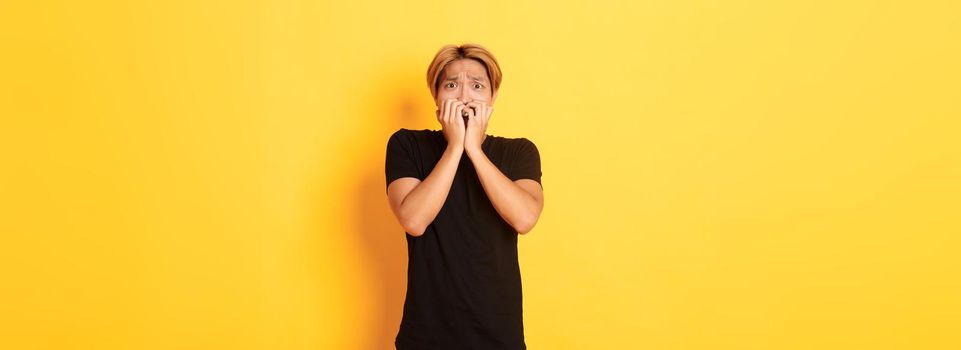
pixel 464 98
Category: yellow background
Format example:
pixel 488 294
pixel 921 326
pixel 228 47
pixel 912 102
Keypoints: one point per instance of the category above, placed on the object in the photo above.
pixel 718 175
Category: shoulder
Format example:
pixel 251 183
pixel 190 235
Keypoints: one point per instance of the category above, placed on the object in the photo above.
pixel 521 144
pixel 401 133
pixel 511 141
pixel 414 136
pixel 515 146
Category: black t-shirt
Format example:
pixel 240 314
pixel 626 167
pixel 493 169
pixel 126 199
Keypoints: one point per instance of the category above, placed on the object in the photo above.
pixel 463 278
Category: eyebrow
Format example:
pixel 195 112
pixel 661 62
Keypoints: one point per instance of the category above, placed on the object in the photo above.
pixel 480 79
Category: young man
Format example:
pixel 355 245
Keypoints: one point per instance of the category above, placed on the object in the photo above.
pixel 463 196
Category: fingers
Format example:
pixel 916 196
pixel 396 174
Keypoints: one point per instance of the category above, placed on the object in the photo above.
pixel 471 110
pixel 442 117
pixel 458 112
pixel 447 110
pixel 453 110
pixel 481 109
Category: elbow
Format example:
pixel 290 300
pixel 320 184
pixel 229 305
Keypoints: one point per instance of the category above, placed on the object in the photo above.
pixel 411 224
pixel 414 229
pixel 525 226
pixel 526 223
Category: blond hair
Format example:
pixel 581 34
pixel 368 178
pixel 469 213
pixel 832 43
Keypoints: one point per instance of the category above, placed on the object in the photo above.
pixel 451 53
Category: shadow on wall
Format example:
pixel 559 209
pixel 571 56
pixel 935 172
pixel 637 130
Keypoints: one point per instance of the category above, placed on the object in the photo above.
pixel 381 238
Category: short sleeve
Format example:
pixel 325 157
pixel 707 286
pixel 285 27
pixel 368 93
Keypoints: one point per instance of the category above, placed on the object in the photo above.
pixel 400 160
pixel 527 162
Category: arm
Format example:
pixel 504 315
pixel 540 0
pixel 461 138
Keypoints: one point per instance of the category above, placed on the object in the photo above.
pixel 416 203
pixel 518 202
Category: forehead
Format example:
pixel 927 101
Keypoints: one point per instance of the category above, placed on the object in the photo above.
pixel 467 68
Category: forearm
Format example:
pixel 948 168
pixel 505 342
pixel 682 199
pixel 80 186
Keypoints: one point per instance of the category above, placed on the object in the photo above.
pixel 422 204
pixel 517 207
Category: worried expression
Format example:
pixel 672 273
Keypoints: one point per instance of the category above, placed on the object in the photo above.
pixel 465 80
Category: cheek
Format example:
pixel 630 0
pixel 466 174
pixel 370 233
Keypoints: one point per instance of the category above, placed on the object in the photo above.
pixel 481 95
pixel 444 95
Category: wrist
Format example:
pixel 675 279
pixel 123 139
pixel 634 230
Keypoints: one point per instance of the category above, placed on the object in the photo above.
pixel 473 150
pixel 456 147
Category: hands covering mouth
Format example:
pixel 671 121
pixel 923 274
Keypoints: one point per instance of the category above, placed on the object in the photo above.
pixel 466 115
pixel 468 131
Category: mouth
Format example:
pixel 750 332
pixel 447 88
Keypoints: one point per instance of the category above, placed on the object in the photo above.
pixel 464 113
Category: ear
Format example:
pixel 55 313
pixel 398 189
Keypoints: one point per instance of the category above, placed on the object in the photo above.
pixel 494 97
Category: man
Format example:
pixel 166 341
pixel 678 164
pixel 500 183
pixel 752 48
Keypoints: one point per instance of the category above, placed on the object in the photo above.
pixel 463 197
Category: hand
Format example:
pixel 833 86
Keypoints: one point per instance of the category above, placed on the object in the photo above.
pixel 478 114
pixel 449 116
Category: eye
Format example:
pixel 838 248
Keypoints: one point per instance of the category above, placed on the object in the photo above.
pixel 478 86
pixel 449 85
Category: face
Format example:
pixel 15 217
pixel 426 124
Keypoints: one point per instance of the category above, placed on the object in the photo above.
pixel 465 80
